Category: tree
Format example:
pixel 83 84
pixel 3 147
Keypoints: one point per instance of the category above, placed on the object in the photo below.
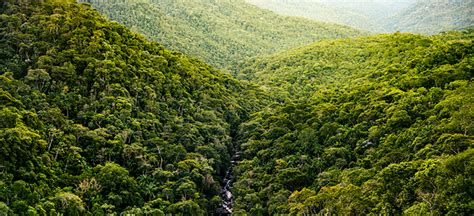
pixel 68 203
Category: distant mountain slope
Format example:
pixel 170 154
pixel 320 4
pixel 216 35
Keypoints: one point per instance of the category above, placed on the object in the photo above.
pixel 221 32
pixel 433 16
pixel 320 12
pixel 363 14
pixel 380 125
pixel 418 16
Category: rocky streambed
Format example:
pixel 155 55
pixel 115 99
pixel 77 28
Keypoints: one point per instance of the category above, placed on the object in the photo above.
pixel 226 193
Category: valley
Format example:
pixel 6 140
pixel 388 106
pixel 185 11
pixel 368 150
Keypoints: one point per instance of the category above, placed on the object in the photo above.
pixel 221 107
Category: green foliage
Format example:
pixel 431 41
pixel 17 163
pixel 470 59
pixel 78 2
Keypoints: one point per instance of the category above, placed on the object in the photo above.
pixel 4 209
pixel 223 33
pixel 69 204
pixel 97 120
pixel 361 126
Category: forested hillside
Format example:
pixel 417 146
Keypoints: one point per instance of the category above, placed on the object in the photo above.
pixel 223 32
pixel 377 125
pixel 433 16
pixel 418 16
pixel 96 120
pixel 320 11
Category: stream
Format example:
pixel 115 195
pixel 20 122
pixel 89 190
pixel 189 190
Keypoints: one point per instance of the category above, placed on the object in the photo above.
pixel 226 194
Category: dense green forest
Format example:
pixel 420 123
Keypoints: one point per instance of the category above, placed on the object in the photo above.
pixel 223 33
pixel 419 16
pixel 377 125
pixel 96 119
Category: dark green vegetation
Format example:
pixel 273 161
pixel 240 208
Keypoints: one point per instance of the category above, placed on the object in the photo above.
pixel 95 119
pixel 223 32
pixel 419 16
pixel 377 125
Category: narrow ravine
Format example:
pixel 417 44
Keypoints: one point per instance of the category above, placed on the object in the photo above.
pixel 226 193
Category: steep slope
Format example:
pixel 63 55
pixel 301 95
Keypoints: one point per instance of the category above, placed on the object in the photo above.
pixel 433 16
pixel 418 16
pixel 377 125
pixel 97 120
pixel 320 12
pixel 222 32
pixel 363 14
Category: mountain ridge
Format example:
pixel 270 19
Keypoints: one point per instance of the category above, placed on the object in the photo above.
pixel 222 33
pixel 99 120
pixel 416 16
